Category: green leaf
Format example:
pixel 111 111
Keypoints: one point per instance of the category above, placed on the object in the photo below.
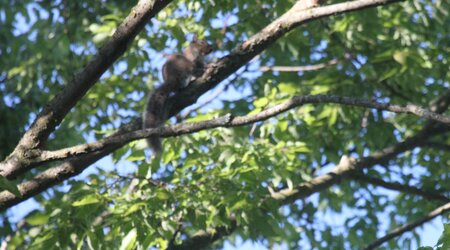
pixel 87 200
pixel 385 56
pixel 129 241
pixel 261 102
pixel 238 205
pixel 163 194
pixel 92 240
pixel 388 74
pixel 144 170
pixel 37 218
pixel 333 116
pixel 444 240
pixel 288 88
pixel 401 57
pixel 134 208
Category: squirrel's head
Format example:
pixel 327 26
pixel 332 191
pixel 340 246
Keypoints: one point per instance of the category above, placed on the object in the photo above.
pixel 202 45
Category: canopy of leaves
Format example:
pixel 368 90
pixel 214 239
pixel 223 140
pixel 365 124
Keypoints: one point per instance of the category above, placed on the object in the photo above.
pixel 220 181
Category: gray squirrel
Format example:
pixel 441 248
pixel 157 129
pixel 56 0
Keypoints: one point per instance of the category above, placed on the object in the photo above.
pixel 177 72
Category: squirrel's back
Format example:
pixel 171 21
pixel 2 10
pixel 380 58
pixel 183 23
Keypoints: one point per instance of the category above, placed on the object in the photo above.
pixel 177 71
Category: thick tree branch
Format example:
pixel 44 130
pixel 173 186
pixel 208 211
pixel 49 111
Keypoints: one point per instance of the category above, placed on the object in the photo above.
pixel 54 112
pixel 51 177
pixel 39 157
pixel 60 173
pixel 404 188
pixel 243 53
pixel 408 227
pixel 349 165
pixel 319 183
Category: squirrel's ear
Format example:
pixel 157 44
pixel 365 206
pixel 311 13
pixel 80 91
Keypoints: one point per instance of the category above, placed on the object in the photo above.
pixel 194 39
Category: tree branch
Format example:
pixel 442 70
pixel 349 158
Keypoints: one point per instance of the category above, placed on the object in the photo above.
pixel 347 166
pixel 243 53
pixel 319 183
pixel 60 173
pixel 204 238
pixel 299 68
pixel 51 177
pixel 119 139
pixel 38 157
pixel 54 112
pixel 438 146
pixel 358 176
pixel 408 227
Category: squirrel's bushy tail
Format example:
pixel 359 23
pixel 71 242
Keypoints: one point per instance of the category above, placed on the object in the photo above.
pixel 155 114
pixel 155 144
